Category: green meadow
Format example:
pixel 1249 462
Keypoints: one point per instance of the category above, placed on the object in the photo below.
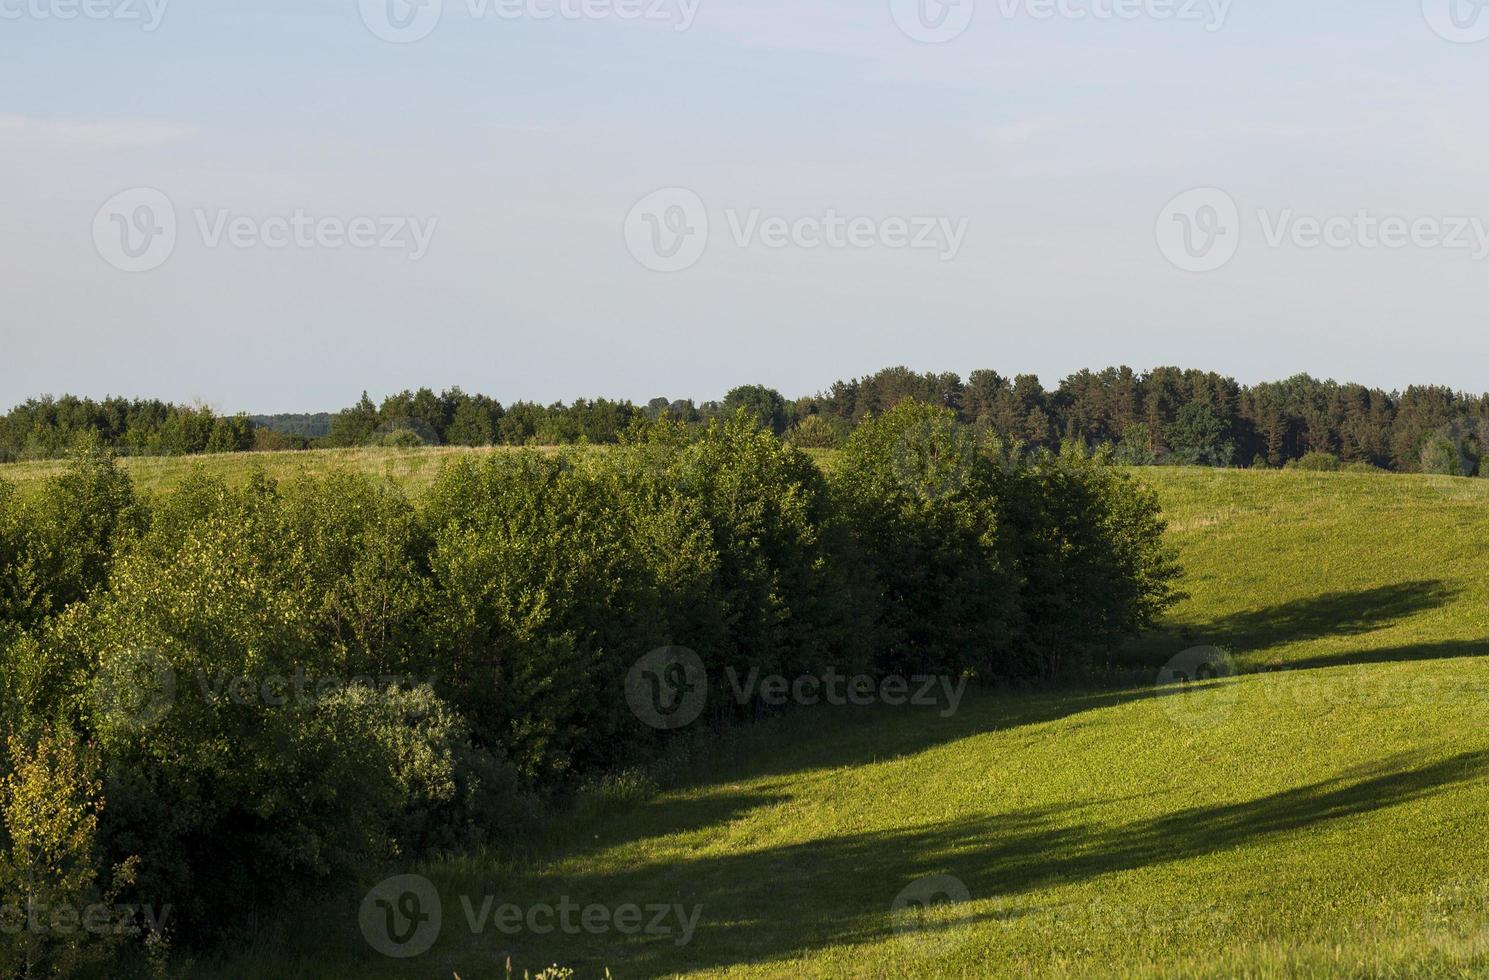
pixel 1322 813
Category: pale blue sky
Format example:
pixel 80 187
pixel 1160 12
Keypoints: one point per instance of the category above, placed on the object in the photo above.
pixel 1058 141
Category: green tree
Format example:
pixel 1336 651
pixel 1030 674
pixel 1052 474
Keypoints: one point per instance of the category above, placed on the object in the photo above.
pixel 470 426
pixel 50 799
pixel 354 426
pixel 1198 437
pixel 764 405
pixel 923 503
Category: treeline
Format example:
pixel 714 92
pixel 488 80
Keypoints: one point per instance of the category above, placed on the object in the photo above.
pixel 163 660
pixel 48 428
pixel 1184 417
pixel 308 427
pixel 1167 415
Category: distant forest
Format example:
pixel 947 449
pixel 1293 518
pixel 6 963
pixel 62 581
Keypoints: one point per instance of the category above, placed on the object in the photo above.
pixel 1164 416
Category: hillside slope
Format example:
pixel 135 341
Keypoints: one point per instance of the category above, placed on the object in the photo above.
pixel 1321 813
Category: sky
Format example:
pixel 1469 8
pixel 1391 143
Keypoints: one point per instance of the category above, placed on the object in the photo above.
pixel 272 206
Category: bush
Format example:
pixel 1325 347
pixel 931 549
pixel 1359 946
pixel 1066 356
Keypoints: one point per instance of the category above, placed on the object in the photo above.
pixel 490 632
pixel 781 587
pixel 923 503
pixel 1443 455
pixel 64 541
pixel 1092 565
pixel 219 655
pixel 50 798
pixel 552 575
pixel 819 432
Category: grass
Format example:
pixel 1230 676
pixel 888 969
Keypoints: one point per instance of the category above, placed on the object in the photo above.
pixel 413 469
pixel 1321 814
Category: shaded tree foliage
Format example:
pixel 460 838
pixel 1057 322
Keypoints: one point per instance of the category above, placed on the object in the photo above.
pixel 478 646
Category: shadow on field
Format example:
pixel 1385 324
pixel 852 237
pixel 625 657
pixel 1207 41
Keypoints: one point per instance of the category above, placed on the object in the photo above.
pixel 822 738
pixel 1333 614
pixel 782 902
pixel 1443 650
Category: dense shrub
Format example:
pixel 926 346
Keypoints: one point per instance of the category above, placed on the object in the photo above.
pixel 1092 567
pixel 924 506
pixel 212 675
pixel 281 685
pixel 61 543
pixel 50 798
pixel 819 432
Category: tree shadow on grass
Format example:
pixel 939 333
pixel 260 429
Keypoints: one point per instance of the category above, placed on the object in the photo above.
pixel 778 903
pixel 829 738
pixel 1333 614
pixel 1443 650
pixel 814 739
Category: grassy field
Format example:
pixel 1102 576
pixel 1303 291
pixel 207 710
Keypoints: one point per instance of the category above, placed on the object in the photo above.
pixel 412 469
pixel 1322 813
